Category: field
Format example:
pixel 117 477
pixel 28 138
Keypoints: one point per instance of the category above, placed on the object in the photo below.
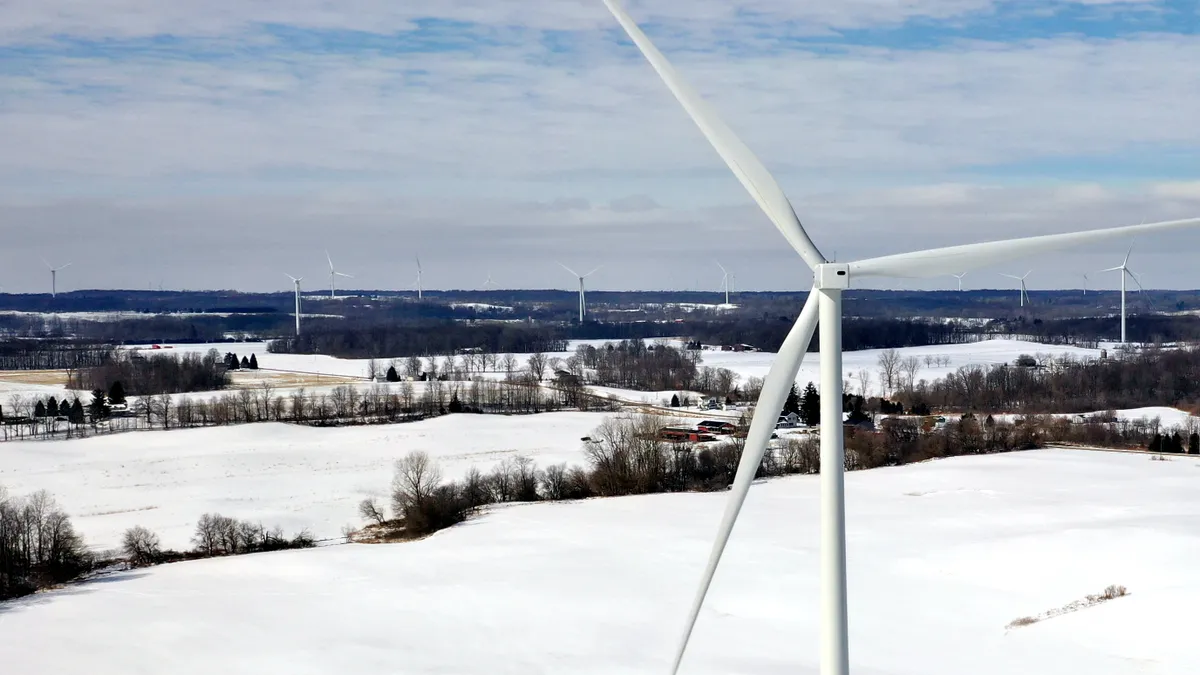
pixel 292 476
pixel 943 556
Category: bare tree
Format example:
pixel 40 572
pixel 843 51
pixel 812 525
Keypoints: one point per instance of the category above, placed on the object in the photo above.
pixel 412 367
pixel 372 369
pixel 537 365
pixel 141 546
pixel 911 366
pixel 864 382
pixel 416 477
pixel 889 366
pixel 510 366
pixel 369 509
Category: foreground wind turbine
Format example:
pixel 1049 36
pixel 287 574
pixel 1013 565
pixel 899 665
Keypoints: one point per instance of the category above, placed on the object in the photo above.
pixel 725 281
pixel 582 294
pixel 1123 268
pixel 960 278
pixel 296 280
pixel 54 276
pixel 1024 292
pixel 333 275
pixel 830 279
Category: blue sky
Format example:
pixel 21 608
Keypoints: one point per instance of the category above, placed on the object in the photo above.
pixel 509 134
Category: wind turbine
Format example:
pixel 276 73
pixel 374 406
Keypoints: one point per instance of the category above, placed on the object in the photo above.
pixel 54 276
pixel 960 278
pixel 1085 283
pixel 420 291
pixel 489 282
pixel 582 294
pixel 333 275
pixel 1123 268
pixel 725 281
pixel 1024 292
pixel 296 280
pixel 825 301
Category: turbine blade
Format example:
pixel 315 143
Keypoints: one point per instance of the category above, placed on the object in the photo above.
pixel 593 272
pixel 1126 261
pixel 330 260
pixel 418 258
pixel 47 263
pixel 722 267
pixel 932 262
pixel 775 389
pixel 64 267
pixel 748 169
pixel 1113 269
pixel 568 269
pixel 1010 276
pixel 1136 278
pixel 342 274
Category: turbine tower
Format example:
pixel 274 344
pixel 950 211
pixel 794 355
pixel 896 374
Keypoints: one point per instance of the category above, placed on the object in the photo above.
pixel 296 280
pixel 830 280
pixel 724 281
pixel 1123 268
pixel 333 275
pixel 582 293
pixel 1024 292
pixel 54 276
pixel 420 291
pixel 1085 283
pixel 960 278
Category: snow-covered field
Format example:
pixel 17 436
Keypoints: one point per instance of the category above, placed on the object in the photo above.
pixel 943 556
pixel 292 476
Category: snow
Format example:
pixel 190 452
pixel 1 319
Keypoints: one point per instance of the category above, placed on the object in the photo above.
pixel 293 476
pixel 942 555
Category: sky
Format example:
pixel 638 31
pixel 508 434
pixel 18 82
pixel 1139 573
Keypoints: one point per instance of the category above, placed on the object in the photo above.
pixel 226 143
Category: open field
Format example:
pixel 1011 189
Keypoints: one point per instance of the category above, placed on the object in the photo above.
pixel 943 556
pixel 293 476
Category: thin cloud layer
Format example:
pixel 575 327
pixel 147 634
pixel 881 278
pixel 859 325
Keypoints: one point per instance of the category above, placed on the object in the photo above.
pixel 477 131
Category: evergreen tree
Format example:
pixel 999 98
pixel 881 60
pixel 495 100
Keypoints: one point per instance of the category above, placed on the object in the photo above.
pixel 1194 444
pixel 231 361
pixel 674 400
pixel 392 376
pixel 52 407
pixel 253 362
pixel 856 405
pixel 76 415
pixel 116 393
pixel 456 406
pixel 792 404
pixel 246 363
pixel 1156 443
pixel 810 406
pixel 39 410
pixel 99 405
pixel 1176 443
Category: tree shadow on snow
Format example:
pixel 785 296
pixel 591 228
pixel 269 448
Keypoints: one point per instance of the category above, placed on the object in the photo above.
pixel 79 587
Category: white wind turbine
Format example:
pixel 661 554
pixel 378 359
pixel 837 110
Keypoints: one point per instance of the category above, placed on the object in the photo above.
pixel 1024 292
pixel 1123 268
pixel 420 290
pixel 296 281
pixel 54 276
pixel 724 281
pixel 489 283
pixel 825 300
pixel 1085 283
pixel 582 293
pixel 333 275
pixel 960 278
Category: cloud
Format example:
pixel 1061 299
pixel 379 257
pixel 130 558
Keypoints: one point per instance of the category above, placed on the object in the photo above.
pixel 476 132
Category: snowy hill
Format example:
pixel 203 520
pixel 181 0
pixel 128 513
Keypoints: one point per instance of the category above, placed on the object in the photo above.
pixel 943 556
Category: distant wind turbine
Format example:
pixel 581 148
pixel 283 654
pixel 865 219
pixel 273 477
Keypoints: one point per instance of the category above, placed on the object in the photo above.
pixel 1024 292
pixel 296 280
pixel 420 291
pixel 1085 283
pixel 582 293
pixel 489 282
pixel 54 276
pixel 1123 268
pixel 333 275
pixel 724 281
pixel 960 278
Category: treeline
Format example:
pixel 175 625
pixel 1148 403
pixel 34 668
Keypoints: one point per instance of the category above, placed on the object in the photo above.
pixel 157 373
pixel 23 354
pixel 633 364
pixel 38 546
pixel 625 457
pixel 1149 377
pixel 768 333
pixel 423 338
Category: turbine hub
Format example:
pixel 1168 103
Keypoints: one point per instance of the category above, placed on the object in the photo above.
pixel 830 276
